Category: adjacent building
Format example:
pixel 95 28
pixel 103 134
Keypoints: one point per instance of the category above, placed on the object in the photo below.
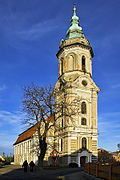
pixel 25 145
pixel 108 157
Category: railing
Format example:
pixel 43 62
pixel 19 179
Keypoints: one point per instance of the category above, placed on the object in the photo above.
pixel 105 171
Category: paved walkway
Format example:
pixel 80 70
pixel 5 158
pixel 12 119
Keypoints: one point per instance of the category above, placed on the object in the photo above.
pixel 16 173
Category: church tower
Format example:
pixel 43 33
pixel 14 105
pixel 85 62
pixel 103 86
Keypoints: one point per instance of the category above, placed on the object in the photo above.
pixel 76 137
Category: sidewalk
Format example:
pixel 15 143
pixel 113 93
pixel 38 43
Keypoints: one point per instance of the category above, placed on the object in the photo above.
pixel 16 172
pixel 80 176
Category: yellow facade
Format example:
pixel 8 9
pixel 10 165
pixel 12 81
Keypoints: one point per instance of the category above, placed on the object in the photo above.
pixel 75 136
pixel 75 82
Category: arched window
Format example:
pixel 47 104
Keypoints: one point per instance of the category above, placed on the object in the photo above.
pixel 61 66
pixel 70 63
pixel 62 114
pixel 83 63
pixel 62 123
pixel 61 144
pixel 83 108
pixel 83 121
pixel 84 143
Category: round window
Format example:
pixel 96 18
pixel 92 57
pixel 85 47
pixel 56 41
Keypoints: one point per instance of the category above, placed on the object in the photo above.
pixel 84 83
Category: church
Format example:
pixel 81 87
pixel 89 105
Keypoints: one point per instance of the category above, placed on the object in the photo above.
pixel 76 142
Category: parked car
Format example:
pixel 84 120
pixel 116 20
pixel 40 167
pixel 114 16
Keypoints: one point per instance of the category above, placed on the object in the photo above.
pixel 73 165
pixel 6 163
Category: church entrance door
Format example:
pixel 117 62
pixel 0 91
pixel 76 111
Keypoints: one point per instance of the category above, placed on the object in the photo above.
pixel 82 160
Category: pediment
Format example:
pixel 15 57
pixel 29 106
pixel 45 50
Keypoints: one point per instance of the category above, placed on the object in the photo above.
pixel 84 82
pixel 85 153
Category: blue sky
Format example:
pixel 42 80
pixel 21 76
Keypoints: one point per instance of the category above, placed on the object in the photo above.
pixel 30 34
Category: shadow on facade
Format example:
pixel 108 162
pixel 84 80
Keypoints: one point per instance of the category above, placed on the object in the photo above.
pixel 80 157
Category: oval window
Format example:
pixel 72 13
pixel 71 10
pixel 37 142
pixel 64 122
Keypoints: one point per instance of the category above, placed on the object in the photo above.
pixel 84 83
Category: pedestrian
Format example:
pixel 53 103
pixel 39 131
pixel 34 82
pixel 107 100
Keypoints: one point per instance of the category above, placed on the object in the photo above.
pixel 25 165
pixel 31 164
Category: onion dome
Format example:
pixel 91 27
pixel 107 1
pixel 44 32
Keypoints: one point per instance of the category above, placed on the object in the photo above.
pixel 75 30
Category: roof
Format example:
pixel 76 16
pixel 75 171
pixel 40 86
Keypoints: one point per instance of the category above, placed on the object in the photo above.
pixel 29 132
pixel 75 30
pixel 26 134
pixel 102 150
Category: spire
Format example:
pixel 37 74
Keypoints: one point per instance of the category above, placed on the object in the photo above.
pixel 74 10
pixel 75 30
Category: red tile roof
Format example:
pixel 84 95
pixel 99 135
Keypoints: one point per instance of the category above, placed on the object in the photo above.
pixel 29 132
pixel 26 134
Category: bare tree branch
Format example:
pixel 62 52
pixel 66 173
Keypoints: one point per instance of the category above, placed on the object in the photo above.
pixel 41 104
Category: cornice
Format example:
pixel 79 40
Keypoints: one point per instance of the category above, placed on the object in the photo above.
pixel 76 70
pixel 66 46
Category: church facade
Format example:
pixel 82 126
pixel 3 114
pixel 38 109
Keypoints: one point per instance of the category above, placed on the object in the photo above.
pixel 77 137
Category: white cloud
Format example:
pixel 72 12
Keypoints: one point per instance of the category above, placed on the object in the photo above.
pixel 10 118
pixel 109 122
pixel 117 136
pixel 10 127
pixel 37 30
pixel 2 88
pixel 109 130
pixel 0 124
pixel 22 30
pixel 19 36
pixel 6 141
pixel 109 114
pixel 115 86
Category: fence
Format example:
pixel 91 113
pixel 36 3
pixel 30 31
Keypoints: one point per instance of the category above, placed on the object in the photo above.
pixel 109 172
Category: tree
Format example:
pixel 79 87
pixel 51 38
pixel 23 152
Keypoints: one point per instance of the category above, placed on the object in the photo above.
pixel 118 145
pixel 42 103
pixel 4 155
pixel 39 106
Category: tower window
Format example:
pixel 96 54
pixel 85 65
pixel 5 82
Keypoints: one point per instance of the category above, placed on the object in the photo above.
pixel 62 115
pixel 70 63
pixel 62 122
pixel 61 144
pixel 83 121
pixel 84 143
pixel 83 108
pixel 61 66
pixel 83 63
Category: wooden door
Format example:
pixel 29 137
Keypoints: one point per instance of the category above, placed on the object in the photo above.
pixel 82 161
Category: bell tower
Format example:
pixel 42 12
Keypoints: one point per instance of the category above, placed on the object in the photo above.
pixel 77 142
